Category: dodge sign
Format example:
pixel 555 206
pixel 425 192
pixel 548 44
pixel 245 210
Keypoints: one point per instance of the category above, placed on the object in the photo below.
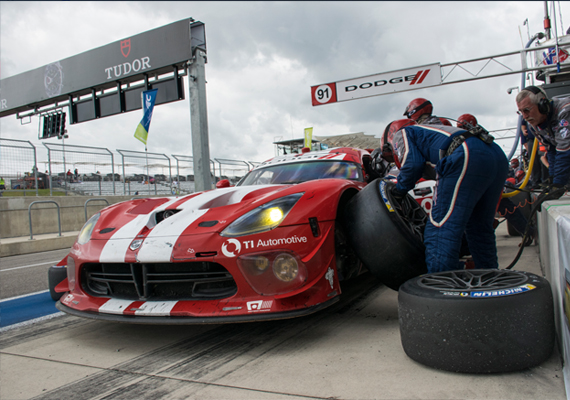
pixel 376 85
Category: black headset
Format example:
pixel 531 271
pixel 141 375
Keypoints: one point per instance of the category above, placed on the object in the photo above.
pixel 543 104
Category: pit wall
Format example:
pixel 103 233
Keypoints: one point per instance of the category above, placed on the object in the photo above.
pixel 554 244
pixel 15 221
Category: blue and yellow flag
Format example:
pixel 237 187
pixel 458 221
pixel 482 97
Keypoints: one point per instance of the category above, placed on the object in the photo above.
pixel 148 99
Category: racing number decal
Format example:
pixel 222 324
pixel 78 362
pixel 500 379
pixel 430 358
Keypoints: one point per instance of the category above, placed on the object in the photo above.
pixel 323 94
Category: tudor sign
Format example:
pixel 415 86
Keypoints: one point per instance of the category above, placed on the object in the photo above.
pixel 376 85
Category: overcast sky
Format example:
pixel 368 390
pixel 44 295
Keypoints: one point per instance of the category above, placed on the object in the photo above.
pixel 263 57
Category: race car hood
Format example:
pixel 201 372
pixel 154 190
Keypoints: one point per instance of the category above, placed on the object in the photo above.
pixel 160 224
pixel 162 221
pixel 169 216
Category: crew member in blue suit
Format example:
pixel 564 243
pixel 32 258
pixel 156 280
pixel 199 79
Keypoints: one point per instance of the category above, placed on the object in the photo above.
pixel 471 171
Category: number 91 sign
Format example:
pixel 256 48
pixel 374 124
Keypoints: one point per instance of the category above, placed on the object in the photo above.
pixel 323 94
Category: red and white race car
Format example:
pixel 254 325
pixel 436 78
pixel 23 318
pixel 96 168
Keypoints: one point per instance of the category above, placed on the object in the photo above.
pixel 270 247
pixel 274 246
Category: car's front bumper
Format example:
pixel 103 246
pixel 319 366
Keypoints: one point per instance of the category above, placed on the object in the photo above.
pixel 223 319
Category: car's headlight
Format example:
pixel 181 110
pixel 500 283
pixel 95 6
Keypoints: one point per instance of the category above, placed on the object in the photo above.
pixel 87 230
pixel 263 218
pixel 273 272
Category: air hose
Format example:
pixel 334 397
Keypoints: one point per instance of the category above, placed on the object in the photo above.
pixel 528 171
pixel 535 208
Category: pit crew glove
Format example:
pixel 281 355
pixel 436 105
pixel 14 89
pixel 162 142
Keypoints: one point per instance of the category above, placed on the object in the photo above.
pixel 396 194
pixel 546 183
pixel 555 191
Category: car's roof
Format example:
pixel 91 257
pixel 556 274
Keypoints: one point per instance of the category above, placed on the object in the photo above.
pixel 337 153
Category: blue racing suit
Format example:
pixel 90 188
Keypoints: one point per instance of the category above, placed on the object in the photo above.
pixel 469 184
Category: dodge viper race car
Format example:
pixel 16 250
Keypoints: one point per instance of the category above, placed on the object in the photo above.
pixel 271 247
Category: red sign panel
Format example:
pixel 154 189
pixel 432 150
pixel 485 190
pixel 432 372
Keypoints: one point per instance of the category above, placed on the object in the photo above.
pixel 323 94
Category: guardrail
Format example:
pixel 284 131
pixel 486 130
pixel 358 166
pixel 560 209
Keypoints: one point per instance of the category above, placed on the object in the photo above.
pixel 30 215
pixel 85 206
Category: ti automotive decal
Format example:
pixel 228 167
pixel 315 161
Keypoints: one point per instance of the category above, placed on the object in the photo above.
pixel 232 247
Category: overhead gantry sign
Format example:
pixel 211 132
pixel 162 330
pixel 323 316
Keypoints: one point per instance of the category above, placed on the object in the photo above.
pixel 108 80
pixel 437 74
pixel 375 85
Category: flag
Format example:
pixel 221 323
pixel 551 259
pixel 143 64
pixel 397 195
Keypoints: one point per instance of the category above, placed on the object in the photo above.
pixel 148 99
pixel 309 138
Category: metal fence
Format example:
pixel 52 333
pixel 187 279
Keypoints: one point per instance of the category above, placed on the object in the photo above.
pixel 18 166
pixel 71 166
pixel 233 170
pixel 146 172
pixel 86 170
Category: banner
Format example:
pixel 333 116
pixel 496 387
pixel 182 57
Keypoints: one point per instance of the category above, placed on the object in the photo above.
pixel 309 138
pixel 376 85
pixel 148 99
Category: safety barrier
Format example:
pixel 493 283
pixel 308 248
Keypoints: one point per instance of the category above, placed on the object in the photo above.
pixel 85 205
pixel 30 215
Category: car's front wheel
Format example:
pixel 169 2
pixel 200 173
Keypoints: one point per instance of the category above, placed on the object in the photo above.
pixel 386 234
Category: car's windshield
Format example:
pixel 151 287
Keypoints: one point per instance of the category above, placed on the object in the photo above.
pixel 302 172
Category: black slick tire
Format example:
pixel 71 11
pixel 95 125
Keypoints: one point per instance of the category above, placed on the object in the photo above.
pixel 477 321
pixel 386 234
pixel 56 275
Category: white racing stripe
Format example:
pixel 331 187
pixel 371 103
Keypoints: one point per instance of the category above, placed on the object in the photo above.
pixel 158 245
pixel 156 308
pixel 148 308
pixel 114 306
pixel 117 246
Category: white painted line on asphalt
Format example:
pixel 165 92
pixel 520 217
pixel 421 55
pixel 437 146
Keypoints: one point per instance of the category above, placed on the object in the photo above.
pixel 32 265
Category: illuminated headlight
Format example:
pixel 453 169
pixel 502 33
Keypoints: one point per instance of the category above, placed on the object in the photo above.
pixel 263 218
pixel 87 230
pixel 71 273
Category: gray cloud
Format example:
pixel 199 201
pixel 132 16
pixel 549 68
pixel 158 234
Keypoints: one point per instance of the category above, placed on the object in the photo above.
pixel 263 57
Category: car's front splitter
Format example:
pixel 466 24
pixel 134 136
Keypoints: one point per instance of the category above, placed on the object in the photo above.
pixel 167 320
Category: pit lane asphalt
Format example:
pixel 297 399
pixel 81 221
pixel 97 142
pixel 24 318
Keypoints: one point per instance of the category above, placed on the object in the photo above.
pixel 351 350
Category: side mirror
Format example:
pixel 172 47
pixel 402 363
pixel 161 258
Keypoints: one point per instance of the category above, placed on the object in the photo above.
pixel 223 183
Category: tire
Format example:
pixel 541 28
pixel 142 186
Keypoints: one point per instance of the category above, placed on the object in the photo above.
pixel 522 200
pixel 386 235
pixel 477 321
pixel 511 230
pixel 347 263
pixel 56 275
